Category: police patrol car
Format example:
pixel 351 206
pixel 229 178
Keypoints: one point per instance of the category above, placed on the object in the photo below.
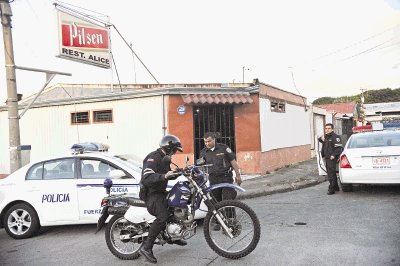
pixel 65 190
pixel 371 156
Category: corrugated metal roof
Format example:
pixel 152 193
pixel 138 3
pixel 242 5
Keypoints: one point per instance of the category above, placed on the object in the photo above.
pixel 373 108
pixel 217 99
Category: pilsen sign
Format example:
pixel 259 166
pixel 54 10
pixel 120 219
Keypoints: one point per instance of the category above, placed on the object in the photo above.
pixel 83 41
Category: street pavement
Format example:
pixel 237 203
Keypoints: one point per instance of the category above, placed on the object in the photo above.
pixel 288 178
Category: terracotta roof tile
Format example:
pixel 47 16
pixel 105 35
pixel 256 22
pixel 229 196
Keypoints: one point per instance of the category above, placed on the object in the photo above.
pixel 217 99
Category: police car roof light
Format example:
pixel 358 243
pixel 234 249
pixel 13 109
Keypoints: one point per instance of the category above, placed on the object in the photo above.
pixel 80 148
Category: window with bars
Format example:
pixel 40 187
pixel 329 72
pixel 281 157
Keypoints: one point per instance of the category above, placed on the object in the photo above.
pixel 80 118
pixel 103 116
pixel 277 107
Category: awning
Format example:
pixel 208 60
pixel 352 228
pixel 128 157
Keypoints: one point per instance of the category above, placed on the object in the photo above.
pixel 216 99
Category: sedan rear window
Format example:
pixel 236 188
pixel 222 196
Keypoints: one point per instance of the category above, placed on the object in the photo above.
pixel 374 140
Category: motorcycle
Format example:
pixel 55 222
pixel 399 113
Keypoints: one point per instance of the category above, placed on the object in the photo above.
pixel 231 228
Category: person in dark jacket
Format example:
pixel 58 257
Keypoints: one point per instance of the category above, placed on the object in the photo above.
pixel 223 160
pixel 331 149
pixel 155 175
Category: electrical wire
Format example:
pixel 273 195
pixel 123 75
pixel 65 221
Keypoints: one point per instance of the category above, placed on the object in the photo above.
pixel 372 49
pixel 116 71
pixel 294 83
pixel 350 46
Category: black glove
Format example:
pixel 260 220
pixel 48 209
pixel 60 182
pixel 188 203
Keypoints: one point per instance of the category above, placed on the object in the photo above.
pixel 171 175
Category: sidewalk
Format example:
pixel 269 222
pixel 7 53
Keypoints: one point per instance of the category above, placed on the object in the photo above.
pixel 296 176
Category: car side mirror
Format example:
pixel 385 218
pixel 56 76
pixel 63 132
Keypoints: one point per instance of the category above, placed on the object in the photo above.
pixel 117 174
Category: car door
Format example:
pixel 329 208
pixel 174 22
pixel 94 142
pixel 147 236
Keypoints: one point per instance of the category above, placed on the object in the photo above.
pixel 53 190
pixel 90 186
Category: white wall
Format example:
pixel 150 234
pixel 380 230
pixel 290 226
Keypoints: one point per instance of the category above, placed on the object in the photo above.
pixel 137 129
pixel 281 130
pixel 4 146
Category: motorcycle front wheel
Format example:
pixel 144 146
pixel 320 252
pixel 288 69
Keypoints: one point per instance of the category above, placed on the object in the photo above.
pixel 119 232
pixel 243 223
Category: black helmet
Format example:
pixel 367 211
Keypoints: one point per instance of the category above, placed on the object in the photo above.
pixel 171 144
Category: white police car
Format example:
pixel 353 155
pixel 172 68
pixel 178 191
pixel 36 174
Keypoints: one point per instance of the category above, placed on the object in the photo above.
pixel 66 190
pixel 370 156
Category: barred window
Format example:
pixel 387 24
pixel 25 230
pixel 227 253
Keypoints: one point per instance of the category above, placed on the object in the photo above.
pixel 277 107
pixel 80 118
pixel 102 116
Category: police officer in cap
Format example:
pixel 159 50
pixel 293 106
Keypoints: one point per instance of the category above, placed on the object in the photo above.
pixel 223 160
pixel 155 175
pixel 331 149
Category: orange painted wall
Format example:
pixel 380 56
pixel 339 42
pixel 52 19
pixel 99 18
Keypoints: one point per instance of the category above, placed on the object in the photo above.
pixel 180 126
pixel 247 133
pixel 272 160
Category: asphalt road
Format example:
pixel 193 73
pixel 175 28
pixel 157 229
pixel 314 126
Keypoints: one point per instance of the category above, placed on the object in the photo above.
pixel 303 227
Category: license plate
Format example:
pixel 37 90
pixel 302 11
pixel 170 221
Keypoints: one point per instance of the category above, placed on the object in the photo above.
pixel 381 161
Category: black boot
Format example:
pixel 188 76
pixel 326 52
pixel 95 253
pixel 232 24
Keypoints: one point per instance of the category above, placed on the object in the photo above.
pixel 179 242
pixel 147 251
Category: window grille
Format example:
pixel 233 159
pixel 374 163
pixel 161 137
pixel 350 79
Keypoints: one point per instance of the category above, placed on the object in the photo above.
pixel 277 107
pixel 102 116
pixel 79 118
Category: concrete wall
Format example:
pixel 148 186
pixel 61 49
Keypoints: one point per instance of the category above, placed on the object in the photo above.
pixel 248 138
pixel 285 136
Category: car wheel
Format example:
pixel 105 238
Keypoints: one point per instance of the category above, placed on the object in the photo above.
pixel 21 221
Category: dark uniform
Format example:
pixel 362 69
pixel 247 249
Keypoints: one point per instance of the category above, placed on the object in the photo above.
pixel 153 179
pixel 221 169
pixel 332 145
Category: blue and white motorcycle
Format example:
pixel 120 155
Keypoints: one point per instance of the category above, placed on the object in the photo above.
pixel 231 227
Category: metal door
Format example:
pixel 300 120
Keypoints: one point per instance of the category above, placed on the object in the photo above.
pixel 213 118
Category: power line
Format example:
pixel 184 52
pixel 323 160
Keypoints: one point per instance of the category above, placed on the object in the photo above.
pixel 351 45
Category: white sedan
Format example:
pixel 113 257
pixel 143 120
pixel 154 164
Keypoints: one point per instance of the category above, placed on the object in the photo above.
pixel 370 158
pixel 65 190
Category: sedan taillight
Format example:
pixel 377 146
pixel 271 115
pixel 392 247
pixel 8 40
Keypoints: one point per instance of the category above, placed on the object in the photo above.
pixel 344 162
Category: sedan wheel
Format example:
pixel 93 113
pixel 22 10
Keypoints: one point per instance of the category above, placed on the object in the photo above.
pixel 21 221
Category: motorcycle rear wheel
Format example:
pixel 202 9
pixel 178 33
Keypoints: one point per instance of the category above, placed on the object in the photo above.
pixel 122 249
pixel 243 221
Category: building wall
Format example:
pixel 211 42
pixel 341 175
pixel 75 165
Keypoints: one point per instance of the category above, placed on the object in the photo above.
pixel 181 125
pixel 274 159
pixel 247 132
pixel 137 129
pixel 4 144
pixel 282 130
pixel 285 136
pixel 248 139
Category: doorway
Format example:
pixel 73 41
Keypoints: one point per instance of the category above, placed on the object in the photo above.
pixel 213 118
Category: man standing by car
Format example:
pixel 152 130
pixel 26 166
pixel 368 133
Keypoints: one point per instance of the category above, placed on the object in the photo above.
pixel 155 175
pixel 223 160
pixel 331 149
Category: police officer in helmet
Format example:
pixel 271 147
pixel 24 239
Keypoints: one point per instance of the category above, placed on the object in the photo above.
pixel 155 175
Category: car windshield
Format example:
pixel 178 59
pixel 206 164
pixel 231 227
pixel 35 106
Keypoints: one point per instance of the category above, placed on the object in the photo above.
pixel 131 161
pixel 374 140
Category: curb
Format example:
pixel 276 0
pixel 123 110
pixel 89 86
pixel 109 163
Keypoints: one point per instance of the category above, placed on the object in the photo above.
pixel 248 194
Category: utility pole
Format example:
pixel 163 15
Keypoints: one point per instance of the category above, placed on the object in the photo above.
pixel 12 96
pixel 243 69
